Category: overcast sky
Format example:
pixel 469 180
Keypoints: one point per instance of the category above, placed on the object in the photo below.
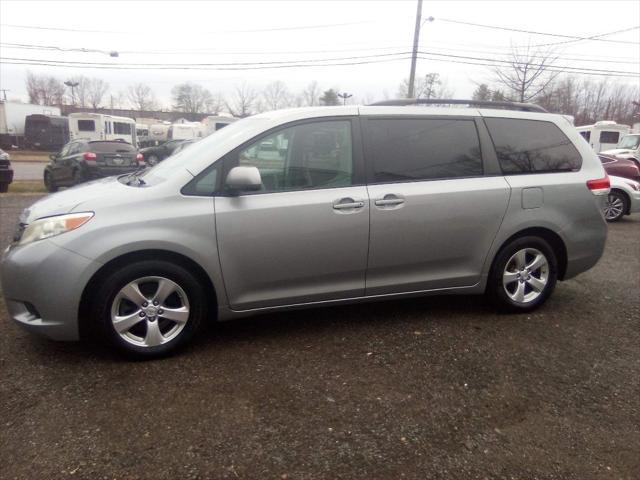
pixel 175 32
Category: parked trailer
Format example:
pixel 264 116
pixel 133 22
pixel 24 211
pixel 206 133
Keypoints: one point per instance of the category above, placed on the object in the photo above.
pixel 603 135
pixel 214 123
pixel 186 131
pixel 46 132
pixel 97 126
pixel 12 118
pixel 158 133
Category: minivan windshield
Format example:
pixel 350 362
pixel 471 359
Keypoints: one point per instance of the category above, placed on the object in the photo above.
pixel 219 139
pixel 630 142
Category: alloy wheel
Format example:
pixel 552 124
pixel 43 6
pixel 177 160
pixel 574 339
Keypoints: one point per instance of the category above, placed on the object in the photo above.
pixel 614 207
pixel 526 275
pixel 150 311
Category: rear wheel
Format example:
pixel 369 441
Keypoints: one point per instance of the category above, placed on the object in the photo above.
pixel 153 160
pixel 149 308
pixel 49 183
pixel 616 206
pixel 523 275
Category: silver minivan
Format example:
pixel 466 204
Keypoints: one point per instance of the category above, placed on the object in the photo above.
pixel 309 207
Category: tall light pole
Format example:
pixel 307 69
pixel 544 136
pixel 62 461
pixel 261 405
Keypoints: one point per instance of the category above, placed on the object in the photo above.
pixel 344 96
pixel 71 84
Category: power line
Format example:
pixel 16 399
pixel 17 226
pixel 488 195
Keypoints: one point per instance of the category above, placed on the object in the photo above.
pixel 256 30
pixel 573 37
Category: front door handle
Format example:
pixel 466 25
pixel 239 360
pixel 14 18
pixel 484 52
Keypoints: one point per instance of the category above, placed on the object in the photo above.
pixel 347 203
pixel 389 200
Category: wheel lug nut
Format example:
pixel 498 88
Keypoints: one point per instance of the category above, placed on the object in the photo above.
pixel 142 314
pixel 155 302
pixel 144 304
pixel 160 312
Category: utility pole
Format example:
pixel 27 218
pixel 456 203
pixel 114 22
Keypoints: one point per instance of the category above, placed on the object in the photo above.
pixel 414 55
pixel 344 96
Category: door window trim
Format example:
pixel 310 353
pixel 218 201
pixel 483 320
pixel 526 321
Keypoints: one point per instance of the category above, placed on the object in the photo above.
pixel 229 160
pixel 486 148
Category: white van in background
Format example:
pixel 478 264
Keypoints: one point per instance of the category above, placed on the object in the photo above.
pixel 214 123
pixel 97 126
pixel 186 131
pixel 603 135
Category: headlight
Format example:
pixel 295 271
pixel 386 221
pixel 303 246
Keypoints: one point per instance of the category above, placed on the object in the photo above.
pixel 51 226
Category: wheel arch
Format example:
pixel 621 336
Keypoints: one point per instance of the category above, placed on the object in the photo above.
pixel 551 237
pixel 150 254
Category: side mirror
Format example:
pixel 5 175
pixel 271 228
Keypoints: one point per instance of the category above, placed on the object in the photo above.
pixel 53 156
pixel 243 179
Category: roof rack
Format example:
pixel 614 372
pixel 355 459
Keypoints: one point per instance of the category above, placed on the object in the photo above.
pixel 403 102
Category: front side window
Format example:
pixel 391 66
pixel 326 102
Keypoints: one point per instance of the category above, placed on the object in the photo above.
pixel 310 155
pixel 86 126
pixel 120 128
pixel 532 146
pixel 410 149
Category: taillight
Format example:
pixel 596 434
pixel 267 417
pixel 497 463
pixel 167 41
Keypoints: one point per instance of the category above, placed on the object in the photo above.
pixel 90 156
pixel 599 186
pixel 140 158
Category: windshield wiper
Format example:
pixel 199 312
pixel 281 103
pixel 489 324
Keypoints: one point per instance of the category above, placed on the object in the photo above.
pixel 135 175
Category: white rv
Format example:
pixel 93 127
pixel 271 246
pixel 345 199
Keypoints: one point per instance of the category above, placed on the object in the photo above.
pixel 12 120
pixel 186 131
pixel 158 133
pixel 213 123
pixel 603 135
pixel 97 126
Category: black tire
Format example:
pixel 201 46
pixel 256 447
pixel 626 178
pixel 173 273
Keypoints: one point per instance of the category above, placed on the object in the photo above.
pixel 616 207
pixel 4 187
pixel 49 183
pixel 501 294
pixel 106 293
pixel 77 177
pixel 153 160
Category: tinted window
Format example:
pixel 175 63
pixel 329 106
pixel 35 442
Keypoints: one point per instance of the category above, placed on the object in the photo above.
pixel 311 155
pixel 609 137
pixel 422 149
pixel 86 125
pixel 111 147
pixel 525 146
pixel 586 135
pixel 120 128
pixel 221 125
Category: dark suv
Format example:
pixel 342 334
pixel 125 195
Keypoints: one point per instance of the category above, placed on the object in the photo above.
pixel 82 160
pixel 6 172
pixel 154 155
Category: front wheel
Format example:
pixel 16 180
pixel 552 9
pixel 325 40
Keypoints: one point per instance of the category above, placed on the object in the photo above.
pixel 523 275
pixel 150 308
pixel 615 207
pixel 49 183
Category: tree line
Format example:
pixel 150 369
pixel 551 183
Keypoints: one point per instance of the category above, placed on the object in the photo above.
pixel 186 97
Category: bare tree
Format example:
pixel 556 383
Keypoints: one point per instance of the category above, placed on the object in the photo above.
pixel 44 90
pixel 527 75
pixel 191 98
pixel 141 97
pixel 311 94
pixel 242 102
pixel 96 90
pixel 428 86
pixel 276 96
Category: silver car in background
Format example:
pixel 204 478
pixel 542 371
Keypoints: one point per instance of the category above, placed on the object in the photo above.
pixel 313 206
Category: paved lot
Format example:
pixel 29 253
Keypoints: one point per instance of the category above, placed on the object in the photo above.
pixel 28 170
pixel 431 388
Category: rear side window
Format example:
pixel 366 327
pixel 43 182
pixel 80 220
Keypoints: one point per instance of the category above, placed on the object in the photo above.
pixel 410 149
pixel 586 134
pixel 532 146
pixel 609 137
pixel 86 125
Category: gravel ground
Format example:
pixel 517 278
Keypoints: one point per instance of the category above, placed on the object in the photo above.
pixel 431 388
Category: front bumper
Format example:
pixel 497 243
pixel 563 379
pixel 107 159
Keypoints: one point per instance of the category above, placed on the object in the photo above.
pixel 42 284
pixel 6 176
